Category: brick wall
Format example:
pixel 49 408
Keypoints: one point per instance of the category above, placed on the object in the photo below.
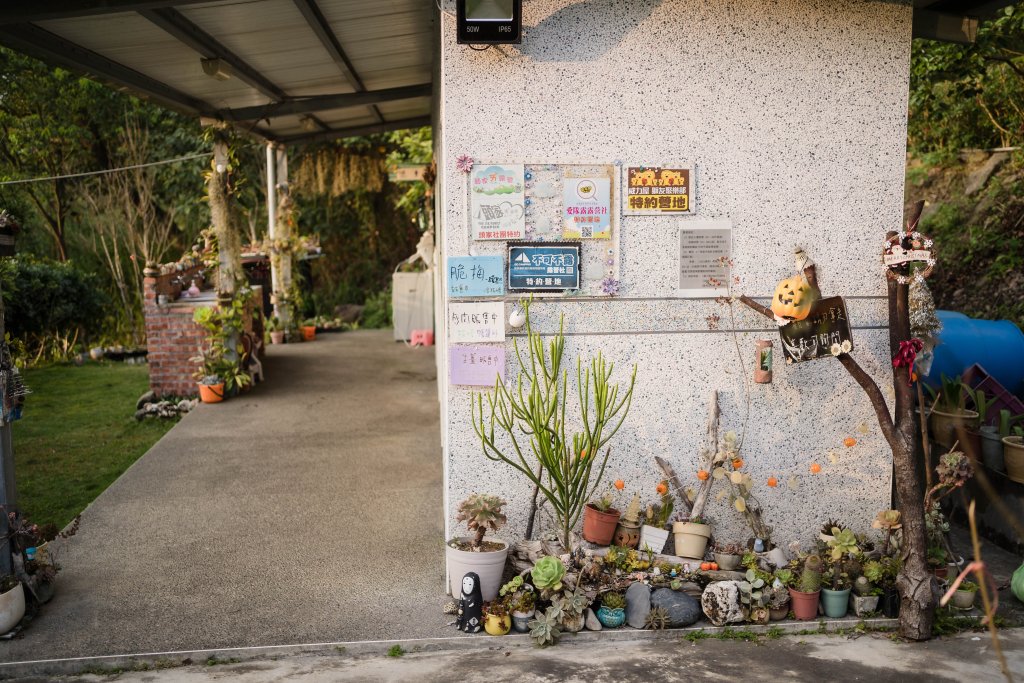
pixel 172 337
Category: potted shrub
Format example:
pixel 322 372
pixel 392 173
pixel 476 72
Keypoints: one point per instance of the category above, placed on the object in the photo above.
pixel 612 612
pixel 691 537
pixel 599 520
pixel 948 412
pixel 653 534
pixel 276 330
pixel 1013 455
pixel 963 598
pixel 804 595
pixel 308 330
pixel 497 621
pixel 482 513
pixel 12 602
pixel 937 561
pixel 728 555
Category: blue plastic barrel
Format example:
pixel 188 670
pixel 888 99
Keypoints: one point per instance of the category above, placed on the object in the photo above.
pixel 996 345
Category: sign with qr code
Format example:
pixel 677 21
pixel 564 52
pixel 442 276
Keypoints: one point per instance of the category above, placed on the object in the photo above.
pixel 587 208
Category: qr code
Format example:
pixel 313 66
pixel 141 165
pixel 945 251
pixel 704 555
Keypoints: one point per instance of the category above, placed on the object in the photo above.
pixel 586 231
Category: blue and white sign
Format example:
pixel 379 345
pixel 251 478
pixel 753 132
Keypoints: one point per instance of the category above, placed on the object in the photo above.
pixel 476 276
pixel 543 266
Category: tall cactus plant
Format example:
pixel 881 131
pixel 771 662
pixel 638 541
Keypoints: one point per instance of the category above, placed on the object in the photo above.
pixel 570 469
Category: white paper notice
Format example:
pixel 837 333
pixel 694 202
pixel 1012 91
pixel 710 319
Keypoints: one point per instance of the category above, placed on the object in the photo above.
pixel 705 253
pixel 476 322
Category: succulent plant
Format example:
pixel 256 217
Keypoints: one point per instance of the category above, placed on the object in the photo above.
pixel 544 629
pixel 614 600
pixel 778 597
pixel 576 603
pixel 512 586
pixel 482 513
pixel 785 576
pixel 810 576
pixel 752 592
pixel 657 619
pixel 548 572
pixel 843 542
pixel 863 586
pixel 874 571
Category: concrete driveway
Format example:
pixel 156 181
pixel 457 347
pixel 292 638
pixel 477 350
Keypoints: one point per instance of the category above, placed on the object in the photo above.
pixel 307 510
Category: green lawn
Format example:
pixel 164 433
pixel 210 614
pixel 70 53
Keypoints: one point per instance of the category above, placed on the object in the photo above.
pixel 77 435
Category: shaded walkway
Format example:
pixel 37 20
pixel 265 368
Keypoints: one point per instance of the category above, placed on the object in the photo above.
pixel 308 510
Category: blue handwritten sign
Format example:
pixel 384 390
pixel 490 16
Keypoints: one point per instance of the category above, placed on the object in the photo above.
pixel 543 266
pixel 475 276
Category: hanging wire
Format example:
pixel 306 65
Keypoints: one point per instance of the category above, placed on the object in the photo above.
pixel 190 157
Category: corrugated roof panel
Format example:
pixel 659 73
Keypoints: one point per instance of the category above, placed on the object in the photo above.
pixel 404 109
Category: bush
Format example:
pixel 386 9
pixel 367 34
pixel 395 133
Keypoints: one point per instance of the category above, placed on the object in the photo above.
pixel 378 312
pixel 47 303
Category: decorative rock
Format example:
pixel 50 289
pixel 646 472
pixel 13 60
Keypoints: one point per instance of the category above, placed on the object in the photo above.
pixel 692 589
pixel 723 575
pixel 638 604
pixel 148 397
pixel 721 603
pixel 681 608
pixel 592 622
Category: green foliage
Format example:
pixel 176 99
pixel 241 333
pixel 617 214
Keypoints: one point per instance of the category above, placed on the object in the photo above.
pixel 786 576
pixel 842 543
pixel 377 312
pixel 536 409
pixel 752 593
pixel 545 629
pixel 396 651
pixel 810 575
pixel 224 325
pixel 614 600
pixel 547 573
pixel 969 95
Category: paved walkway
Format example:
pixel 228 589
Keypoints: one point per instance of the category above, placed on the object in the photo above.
pixel 307 510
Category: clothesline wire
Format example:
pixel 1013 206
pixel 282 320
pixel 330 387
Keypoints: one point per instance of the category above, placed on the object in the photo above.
pixel 107 170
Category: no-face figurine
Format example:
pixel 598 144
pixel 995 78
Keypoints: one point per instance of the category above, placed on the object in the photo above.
pixel 470 605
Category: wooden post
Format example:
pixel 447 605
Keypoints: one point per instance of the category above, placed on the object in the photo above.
pixel 914 581
pixel 8 490
pixel 229 269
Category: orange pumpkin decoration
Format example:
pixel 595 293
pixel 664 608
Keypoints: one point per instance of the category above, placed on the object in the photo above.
pixel 773 482
pixel 849 442
pixel 737 463
pixel 714 566
pixel 703 475
pixel 793 298
pixel 815 468
pixel 705 566
pixel 662 488
pixel 619 484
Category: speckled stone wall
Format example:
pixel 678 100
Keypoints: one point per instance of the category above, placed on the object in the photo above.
pixel 793 113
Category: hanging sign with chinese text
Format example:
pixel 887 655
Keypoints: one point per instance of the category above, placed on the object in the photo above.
pixel 543 266
pixel 825 332
pixel 497 202
pixel 587 208
pixel 476 276
pixel 476 365
pixel 657 191
pixel 705 258
pixel 476 322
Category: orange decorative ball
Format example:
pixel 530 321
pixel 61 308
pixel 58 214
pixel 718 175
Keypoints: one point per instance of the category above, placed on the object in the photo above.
pixel 702 475
pixel 662 488
pixel 714 566
pixel 773 482
pixel 583 455
pixel 815 468
pixel 849 441
pixel 705 566
pixel 737 463
pixel 619 484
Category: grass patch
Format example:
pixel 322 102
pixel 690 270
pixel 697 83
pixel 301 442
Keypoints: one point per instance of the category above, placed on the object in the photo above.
pixel 396 651
pixel 78 435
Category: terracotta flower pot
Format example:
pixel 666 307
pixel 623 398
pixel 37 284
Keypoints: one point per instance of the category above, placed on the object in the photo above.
pixel 277 337
pixel 804 605
pixel 308 332
pixel 599 527
pixel 211 393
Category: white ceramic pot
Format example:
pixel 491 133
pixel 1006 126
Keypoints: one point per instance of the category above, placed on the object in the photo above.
pixel 12 608
pixel 489 566
pixel 652 537
pixel 691 539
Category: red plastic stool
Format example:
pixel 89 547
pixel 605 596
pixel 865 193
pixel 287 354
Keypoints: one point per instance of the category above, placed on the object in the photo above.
pixel 422 338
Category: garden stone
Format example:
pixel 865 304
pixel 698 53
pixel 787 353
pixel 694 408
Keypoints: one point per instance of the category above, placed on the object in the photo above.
pixel 724 575
pixel 592 623
pixel 148 397
pixel 721 603
pixel 681 608
pixel 638 604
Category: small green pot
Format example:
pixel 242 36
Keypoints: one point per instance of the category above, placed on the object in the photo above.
pixel 835 602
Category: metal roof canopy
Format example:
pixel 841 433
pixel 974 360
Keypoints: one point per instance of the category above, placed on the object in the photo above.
pixel 299 70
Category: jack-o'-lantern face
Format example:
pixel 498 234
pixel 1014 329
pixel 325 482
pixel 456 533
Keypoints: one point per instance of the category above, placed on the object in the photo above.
pixel 793 298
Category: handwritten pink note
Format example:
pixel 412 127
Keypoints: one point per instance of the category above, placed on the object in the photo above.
pixel 476 364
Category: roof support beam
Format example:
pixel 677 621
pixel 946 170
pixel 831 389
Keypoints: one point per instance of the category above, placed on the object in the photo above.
pixel 354 131
pixel 318 22
pixel 13 12
pixel 949 28
pixel 306 105
pixel 177 25
pixel 41 44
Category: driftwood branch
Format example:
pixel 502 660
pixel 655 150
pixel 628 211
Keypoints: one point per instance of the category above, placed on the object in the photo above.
pixel 670 474
pixel 707 454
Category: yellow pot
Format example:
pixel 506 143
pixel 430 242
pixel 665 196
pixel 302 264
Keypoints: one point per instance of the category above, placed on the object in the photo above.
pixel 497 626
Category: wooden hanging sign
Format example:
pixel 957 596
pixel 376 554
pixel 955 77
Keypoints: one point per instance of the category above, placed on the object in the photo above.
pixel 824 333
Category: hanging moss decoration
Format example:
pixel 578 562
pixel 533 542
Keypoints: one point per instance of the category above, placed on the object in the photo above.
pixel 337 171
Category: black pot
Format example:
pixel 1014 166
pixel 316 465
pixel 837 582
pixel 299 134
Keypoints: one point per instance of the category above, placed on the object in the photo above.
pixel 890 603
